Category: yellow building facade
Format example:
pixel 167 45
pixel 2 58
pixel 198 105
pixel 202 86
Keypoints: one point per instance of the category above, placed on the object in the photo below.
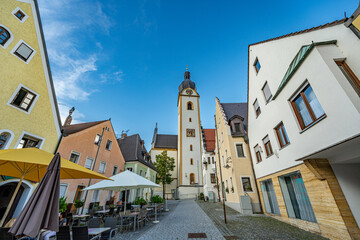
pixel 238 182
pixel 29 115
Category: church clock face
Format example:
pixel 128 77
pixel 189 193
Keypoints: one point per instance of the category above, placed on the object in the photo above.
pixel 189 92
pixel 190 132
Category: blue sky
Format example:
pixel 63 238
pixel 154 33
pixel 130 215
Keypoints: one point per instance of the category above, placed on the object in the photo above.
pixel 124 60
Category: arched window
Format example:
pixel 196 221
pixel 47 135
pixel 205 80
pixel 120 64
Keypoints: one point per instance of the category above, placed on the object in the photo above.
pixel 190 120
pixel 4 138
pixel 192 178
pixel 191 147
pixel 4 36
pixel 191 161
pixel 190 106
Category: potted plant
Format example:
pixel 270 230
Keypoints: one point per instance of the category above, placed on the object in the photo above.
pixel 156 199
pixel 201 196
pixel 140 201
pixel 232 189
pixel 78 204
pixel 62 204
pixel 227 190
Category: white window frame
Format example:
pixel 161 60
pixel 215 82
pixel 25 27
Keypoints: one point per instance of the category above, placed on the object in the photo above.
pixel 31 135
pixel 128 168
pixel 97 196
pixel 9 40
pixel 91 163
pixel 98 141
pixel 263 91
pixel 66 185
pixel 14 95
pixel 102 162
pixel 117 169
pixel 109 145
pixel 24 18
pixel 77 153
pixel 240 143
pixel 8 142
pixel 28 45
pixel 251 182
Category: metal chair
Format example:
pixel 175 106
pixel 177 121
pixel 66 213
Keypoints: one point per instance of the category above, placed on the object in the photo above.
pixel 94 223
pixel 111 223
pixel 82 233
pixel 63 233
pixel 5 235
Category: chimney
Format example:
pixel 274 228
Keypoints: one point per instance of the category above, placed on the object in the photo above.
pixel 69 117
pixel 123 135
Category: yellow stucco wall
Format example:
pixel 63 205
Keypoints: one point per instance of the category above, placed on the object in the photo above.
pixel 238 166
pixel 356 22
pixel 40 121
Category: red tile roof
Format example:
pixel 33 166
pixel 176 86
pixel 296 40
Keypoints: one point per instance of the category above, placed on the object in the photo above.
pixel 304 31
pixel 74 128
pixel 209 137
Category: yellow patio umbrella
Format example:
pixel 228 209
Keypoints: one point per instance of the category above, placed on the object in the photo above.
pixel 31 163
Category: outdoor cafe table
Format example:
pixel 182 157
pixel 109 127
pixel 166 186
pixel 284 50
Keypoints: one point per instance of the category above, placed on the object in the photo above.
pixel 129 215
pixel 97 231
pixel 103 211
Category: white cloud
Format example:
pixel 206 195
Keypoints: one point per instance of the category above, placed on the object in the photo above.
pixel 112 77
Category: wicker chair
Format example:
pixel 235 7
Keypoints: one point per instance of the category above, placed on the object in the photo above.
pixel 63 233
pixel 82 233
pixel 111 223
pixel 4 235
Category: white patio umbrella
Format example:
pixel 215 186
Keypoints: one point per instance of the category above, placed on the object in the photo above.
pixel 123 181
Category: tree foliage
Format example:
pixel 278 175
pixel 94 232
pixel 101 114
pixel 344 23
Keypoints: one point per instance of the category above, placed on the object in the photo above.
pixel 164 165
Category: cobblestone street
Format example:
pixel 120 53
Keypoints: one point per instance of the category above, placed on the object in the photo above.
pixel 252 227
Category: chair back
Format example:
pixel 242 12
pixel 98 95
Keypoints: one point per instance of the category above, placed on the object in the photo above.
pixel 4 235
pixel 111 212
pixel 68 208
pixel 110 222
pixel 80 233
pixel 63 233
pixel 94 223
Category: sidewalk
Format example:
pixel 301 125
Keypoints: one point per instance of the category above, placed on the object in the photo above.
pixel 186 218
pixel 252 227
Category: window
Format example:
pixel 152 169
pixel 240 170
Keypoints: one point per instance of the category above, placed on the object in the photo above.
pixel 23 99
pixel 115 169
pixel 140 173
pixel 102 167
pixel 257 108
pixel 4 138
pixel 95 196
pixel 190 120
pixel 257 65
pixel 213 160
pixel 97 139
pixel 282 135
pixel 129 168
pixel 29 142
pixel 267 92
pixel 89 162
pixel 191 161
pixel 23 51
pixel 237 127
pixel 74 157
pixel 246 183
pixel 222 137
pixel 4 36
pixel 232 186
pixel 350 76
pixel 240 151
pixel 208 160
pixel 192 178
pixel 191 147
pixel 108 145
pixel 267 145
pixel 19 14
pixel 307 107
pixel 213 177
pixel 257 153
pixel 190 106
pixel 63 188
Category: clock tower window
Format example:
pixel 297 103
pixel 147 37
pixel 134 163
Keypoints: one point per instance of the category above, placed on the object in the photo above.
pixel 190 106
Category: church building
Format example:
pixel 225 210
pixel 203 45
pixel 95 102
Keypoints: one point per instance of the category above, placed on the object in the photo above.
pixel 184 147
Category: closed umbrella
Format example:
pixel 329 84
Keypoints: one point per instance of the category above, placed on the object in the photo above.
pixel 31 164
pixel 123 181
pixel 42 209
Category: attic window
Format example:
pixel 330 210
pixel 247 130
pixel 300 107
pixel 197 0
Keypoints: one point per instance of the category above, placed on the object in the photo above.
pixel 257 65
pixel 20 15
pixel 237 127
pixel 23 51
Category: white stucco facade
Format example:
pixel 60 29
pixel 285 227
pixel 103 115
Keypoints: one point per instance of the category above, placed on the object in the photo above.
pixel 336 95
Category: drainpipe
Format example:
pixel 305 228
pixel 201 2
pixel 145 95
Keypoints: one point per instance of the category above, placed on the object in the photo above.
pixel 60 139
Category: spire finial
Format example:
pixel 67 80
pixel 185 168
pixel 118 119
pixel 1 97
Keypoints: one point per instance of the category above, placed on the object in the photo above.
pixel 187 67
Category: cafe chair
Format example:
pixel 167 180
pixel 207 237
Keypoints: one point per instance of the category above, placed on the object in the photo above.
pixel 4 235
pixel 82 233
pixel 94 223
pixel 111 223
pixel 63 233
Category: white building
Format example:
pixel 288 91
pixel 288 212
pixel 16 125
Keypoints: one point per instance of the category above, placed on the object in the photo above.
pixel 188 169
pixel 304 127
pixel 209 168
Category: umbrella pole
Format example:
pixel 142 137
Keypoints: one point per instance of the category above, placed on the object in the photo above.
pixel 125 202
pixel 11 201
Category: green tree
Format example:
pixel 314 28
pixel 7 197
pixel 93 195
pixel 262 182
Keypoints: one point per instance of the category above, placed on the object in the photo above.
pixel 164 165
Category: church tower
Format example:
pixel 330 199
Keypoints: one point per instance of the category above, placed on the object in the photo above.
pixel 189 140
